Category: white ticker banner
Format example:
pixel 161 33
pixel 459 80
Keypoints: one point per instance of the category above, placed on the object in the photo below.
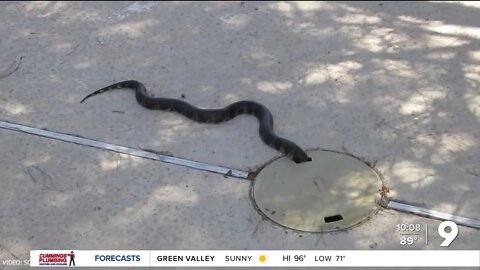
pixel 254 258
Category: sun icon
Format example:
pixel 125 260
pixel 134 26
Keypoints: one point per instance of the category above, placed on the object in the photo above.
pixel 262 258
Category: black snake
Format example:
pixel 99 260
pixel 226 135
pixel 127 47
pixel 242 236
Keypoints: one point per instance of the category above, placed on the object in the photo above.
pixel 264 116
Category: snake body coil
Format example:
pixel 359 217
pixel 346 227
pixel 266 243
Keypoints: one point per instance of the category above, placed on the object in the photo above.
pixel 263 115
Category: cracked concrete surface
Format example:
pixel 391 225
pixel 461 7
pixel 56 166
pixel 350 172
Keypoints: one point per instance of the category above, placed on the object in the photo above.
pixel 392 83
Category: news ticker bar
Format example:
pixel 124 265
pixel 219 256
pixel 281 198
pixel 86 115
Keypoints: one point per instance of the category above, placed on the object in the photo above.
pixel 254 258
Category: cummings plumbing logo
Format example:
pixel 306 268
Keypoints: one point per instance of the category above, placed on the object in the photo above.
pixel 57 259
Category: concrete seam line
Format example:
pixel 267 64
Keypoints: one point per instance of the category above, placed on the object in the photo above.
pixel 425 212
pixel 123 149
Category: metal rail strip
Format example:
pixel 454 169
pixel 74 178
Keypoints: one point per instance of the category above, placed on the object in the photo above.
pixel 424 212
pixel 123 149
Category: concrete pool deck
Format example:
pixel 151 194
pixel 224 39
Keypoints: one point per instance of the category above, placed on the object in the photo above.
pixel 396 84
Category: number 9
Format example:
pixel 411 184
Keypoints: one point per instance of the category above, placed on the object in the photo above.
pixel 448 236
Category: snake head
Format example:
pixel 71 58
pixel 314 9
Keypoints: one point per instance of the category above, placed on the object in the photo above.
pixel 299 156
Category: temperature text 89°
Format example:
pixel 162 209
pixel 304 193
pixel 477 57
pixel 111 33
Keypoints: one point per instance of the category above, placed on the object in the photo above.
pixel 408 240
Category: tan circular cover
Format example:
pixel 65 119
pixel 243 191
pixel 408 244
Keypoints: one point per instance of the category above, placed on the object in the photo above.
pixel 334 191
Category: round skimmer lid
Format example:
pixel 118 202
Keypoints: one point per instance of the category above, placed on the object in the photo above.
pixel 334 191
